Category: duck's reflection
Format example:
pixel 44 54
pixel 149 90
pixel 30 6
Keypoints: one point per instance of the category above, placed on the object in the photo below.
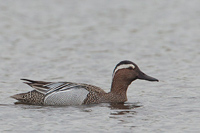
pixel 123 108
pixel 124 105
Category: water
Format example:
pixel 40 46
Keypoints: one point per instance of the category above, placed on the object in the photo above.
pixel 82 41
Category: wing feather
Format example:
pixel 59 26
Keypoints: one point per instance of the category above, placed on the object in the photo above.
pixel 50 87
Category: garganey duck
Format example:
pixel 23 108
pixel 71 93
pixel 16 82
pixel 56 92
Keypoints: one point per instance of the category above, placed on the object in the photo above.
pixel 69 93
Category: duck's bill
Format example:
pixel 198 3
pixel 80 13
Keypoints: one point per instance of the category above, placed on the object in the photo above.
pixel 143 76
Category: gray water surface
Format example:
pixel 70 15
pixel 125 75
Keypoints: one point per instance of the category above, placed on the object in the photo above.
pixel 82 41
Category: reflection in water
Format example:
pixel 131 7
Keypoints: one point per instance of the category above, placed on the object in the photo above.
pixel 124 105
pixel 122 112
pixel 123 108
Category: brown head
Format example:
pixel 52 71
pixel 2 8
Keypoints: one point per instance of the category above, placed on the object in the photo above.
pixel 124 73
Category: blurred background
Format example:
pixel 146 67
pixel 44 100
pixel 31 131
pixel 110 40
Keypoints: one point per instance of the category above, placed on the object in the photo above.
pixel 82 41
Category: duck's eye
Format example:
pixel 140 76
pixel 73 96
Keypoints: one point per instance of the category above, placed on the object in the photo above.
pixel 130 68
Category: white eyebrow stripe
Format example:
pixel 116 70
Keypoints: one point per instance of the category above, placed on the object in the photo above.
pixel 124 66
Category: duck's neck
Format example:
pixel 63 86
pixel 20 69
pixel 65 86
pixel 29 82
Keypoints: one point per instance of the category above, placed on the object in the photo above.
pixel 118 90
pixel 119 86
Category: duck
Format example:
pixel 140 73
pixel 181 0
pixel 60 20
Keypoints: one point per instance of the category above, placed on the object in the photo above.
pixel 70 93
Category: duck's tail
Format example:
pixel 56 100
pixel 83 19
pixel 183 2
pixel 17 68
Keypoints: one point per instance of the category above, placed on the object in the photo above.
pixel 31 97
pixel 18 96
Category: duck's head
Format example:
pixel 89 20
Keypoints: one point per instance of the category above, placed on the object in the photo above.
pixel 127 71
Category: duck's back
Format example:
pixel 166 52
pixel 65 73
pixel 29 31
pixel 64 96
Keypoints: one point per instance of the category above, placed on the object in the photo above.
pixel 79 94
pixel 60 93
